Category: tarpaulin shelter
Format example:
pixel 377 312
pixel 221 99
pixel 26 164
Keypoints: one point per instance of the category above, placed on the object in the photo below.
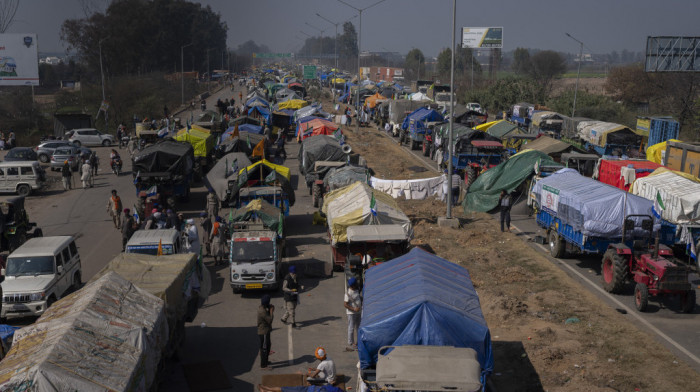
pixel 298 87
pixel 420 97
pixel 501 128
pixel 270 215
pixel 286 94
pixel 264 173
pixel 318 148
pixel 339 177
pixel 422 115
pixel 400 108
pixel 257 101
pixel 292 104
pixel 244 120
pixel 421 299
pixel 220 177
pixel 109 335
pixel 311 110
pixel 202 142
pixel 603 134
pixel 317 126
pixel 484 192
pixel 262 112
pixel 168 157
pixel 589 206
pixel 352 206
pixel 622 173
pixel 548 145
pixel 654 152
pixel 373 100
pixel 680 195
pixel 546 120
pixel 245 143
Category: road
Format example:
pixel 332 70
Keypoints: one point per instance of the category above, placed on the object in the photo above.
pixel 223 337
pixel 677 331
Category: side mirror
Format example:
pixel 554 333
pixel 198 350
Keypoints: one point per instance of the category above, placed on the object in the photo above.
pixel 59 269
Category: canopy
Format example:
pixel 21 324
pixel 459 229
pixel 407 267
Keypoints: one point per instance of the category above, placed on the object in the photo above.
pixel 317 126
pixel 372 100
pixel 264 173
pixel 202 142
pixel 654 152
pixel 590 207
pixel 293 104
pixel 339 177
pixel 547 145
pixel 319 148
pixel 543 116
pixel 166 156
pixel 485 126
pixel 501 128
pixel 422 115
pixel 245 143
pixel 311 110
pixel 601 133
pixel 270 215
pixel 680 195
pixel 351 206
pixel 483 194
pixel 421 299
pixel 263 112
pixel 257 101
pixel 109 335
pixel 225 171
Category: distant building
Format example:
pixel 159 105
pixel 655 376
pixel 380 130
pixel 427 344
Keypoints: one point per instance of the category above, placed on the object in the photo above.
pixel 387 74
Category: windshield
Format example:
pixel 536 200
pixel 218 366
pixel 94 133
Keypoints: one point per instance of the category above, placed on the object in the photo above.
pixel 442 97
pixel 252 251
pixel 36 265
pixel 149 249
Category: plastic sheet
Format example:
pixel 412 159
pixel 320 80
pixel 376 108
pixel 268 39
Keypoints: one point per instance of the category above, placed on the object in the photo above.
pixel 165 156
pixel 339 177
pixel 319 148
pixel 225 170
pixel 680 196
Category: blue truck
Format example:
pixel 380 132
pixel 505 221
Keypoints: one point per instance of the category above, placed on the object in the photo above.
pixel 582 215
pixel 475 152
pixel 521 114
pixel 415 126
pixel 657 129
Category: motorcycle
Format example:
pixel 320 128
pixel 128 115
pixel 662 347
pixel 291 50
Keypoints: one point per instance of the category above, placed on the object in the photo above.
pixel 124 141
pixel 116 164
pixel 204 106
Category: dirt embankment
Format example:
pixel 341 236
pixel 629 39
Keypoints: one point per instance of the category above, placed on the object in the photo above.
pixel 548 332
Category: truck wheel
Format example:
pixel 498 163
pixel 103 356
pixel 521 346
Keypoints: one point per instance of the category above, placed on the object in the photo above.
pixel 23 190
pixel 688 301
pixel 316 190
pixel 641 297
pixel 557 245
pixel 614 271
pixel 469 177
pixel 77 281
pixel 426 148
pixel 43 158
pixel 37 233
pixel 237 290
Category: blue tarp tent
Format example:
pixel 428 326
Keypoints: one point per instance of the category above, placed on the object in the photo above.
pixel 343 98
pixel 263 112
pixel 421 299
pixel 422 115
pixel 257 101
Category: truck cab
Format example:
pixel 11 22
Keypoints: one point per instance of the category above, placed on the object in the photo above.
pixel 146 242
pixel 254 258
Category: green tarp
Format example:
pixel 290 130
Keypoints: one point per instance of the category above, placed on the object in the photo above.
pixel 484 192
pixel 270 215
pixel 501 129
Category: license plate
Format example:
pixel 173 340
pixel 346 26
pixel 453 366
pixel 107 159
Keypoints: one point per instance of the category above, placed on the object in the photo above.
pixel 253 286
pixel 19 307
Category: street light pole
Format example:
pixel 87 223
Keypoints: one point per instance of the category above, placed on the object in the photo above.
pixel 102 74
pixel 452 112
pixel 359 52
pixel 578 73
pixel 182 72
pixel 320 39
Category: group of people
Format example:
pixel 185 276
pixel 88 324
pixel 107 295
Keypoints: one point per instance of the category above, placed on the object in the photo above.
pixel 87 171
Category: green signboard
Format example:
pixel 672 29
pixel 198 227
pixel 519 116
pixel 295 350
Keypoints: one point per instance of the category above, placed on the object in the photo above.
pixel 271 55
pixel 309 72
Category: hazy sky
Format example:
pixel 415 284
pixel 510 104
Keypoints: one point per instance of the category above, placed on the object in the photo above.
pixel 399 25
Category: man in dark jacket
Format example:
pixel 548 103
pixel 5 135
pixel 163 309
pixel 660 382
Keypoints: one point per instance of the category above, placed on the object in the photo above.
pixel 266 313
pixel 505 201
pixel 128 228
pixel 291 288
pixel 66 175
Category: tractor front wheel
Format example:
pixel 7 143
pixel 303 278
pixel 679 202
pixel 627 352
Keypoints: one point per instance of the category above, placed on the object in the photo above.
pixel 688 301
pixel 641 297
pixel 614 271
pixel 469 177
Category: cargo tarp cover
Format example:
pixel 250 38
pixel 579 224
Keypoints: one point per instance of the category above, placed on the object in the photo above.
pixel 311 110
pixel 225 170
pixel 680 196
pixel 263 112
pixel 501 129
pixel 484 193
pixel 270 215
pixel 292 104
pixel 319 148
pixel 339 177
pixel 654 152
pixel 350 206
pixel 202 142
pixel 421 299
pixel 317 126
pixel 106 337
pixel 542 116
pixel 264 173
pixel 372 100
pixel 165 156
pixel 547 145
pixel 598 132
pixel 245 143
pixel 591 207
pixel 423 115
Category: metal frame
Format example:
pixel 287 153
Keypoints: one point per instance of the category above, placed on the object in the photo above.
pixel 672 54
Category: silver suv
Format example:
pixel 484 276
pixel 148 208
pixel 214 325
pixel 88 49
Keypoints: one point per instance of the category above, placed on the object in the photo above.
pixel 45 150
pixel 90 137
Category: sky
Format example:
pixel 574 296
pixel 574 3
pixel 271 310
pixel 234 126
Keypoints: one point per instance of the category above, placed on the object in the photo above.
pixel 400 25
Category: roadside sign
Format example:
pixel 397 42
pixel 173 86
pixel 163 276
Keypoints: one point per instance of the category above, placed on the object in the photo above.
pixel 309 72
pixel 271 55
pixel 482 37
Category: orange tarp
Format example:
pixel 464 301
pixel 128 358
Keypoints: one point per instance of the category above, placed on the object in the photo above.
pixel 316 127
pixel 371 101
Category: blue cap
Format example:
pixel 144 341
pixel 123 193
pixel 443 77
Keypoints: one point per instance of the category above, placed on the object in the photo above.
pixel 265 300
pixel 352 281
pixel 292 269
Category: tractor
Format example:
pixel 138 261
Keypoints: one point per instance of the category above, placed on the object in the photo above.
pixel 651 266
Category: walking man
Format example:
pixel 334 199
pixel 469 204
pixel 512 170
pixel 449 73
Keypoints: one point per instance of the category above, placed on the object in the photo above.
pixel 353 307
pixel 86 174
pixel 66 175
pixel 266 313
pixel 216 238
pixel 212 204
pixel 128 228
pixel 205 222
pixel 114 207
pixel 505 202
pixel 94 161
pixel 291 288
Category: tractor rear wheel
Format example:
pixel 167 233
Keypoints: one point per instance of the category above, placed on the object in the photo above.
pixel 641 297
pixel 614 271
pixel 688 301
pixel 426 148
pixel 557 245
pixel 469 177
pixel 316 189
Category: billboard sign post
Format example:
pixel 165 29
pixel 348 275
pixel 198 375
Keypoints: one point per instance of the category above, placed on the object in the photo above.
pixel 482 37
pixel 19 60
pixel 309 72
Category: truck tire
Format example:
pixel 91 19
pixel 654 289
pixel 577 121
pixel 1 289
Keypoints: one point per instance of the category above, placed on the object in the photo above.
pixel 557 245
pixel 641 297
pixel 414 145
pixel 469 177
pixel 614 271
pixel 688 301
pixel 316 190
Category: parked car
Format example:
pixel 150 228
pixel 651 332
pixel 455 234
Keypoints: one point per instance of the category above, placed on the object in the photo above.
pixel 21 177
pixel 21 154
pixel 45 149
pixel 91 137
pixel 67 153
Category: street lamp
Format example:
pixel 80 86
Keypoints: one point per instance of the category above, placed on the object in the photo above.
pixel 308 35
pixel 209 70
pixel 359 51
pixel 102 74
pixel 321 37
pixel 336 35
pixel 578 73
pixel 182 71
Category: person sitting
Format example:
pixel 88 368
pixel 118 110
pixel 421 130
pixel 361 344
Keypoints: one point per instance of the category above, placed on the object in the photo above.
pixel 324 372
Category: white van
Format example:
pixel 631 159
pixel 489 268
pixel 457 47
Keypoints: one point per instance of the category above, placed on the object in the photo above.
pixel 21 177
pixel 146 242
pixel 39 273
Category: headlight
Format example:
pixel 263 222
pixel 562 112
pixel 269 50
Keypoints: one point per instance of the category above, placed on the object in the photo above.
pixel 235 276
pixel 36 296
pixel 269 276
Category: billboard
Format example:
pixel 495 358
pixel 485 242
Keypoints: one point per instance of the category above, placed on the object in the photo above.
pixel 482 37
pixel 309 72
pixel 19 60
pixel 672 54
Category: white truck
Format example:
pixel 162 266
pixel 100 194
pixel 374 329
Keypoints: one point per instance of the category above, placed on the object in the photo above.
pixel 254 259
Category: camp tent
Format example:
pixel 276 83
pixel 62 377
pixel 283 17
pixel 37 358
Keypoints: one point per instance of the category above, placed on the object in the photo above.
pixel 292 104
pixel 225 171
pixel 373 100
pixel 257 101
pixel 548 145
pixel 316 126
pixel 352 206
pixel 165 157
pixel 422 299
pixel 262 112
pixel 245 143
pixel 264 173
pixel 422 115
pixel 501 128
pixel 202 142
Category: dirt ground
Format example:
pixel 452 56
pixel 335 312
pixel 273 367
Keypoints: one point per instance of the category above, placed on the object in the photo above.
pixel 548 332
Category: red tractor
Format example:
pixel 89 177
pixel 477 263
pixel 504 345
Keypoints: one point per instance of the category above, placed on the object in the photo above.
pixel 650 266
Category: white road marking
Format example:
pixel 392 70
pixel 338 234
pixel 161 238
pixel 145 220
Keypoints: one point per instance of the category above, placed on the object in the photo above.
pixel 290 345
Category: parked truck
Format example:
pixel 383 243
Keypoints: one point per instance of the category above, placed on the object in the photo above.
pixel 474 152
pixel 656 130
pixel 415 126
pixel 684 157
pixel 166 169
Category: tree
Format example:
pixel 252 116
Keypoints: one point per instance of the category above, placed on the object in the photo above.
pixel 630 84
pixel 414 64
pixel 347 46
pixel 545 66
pixel 8 10
pixel 521 61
